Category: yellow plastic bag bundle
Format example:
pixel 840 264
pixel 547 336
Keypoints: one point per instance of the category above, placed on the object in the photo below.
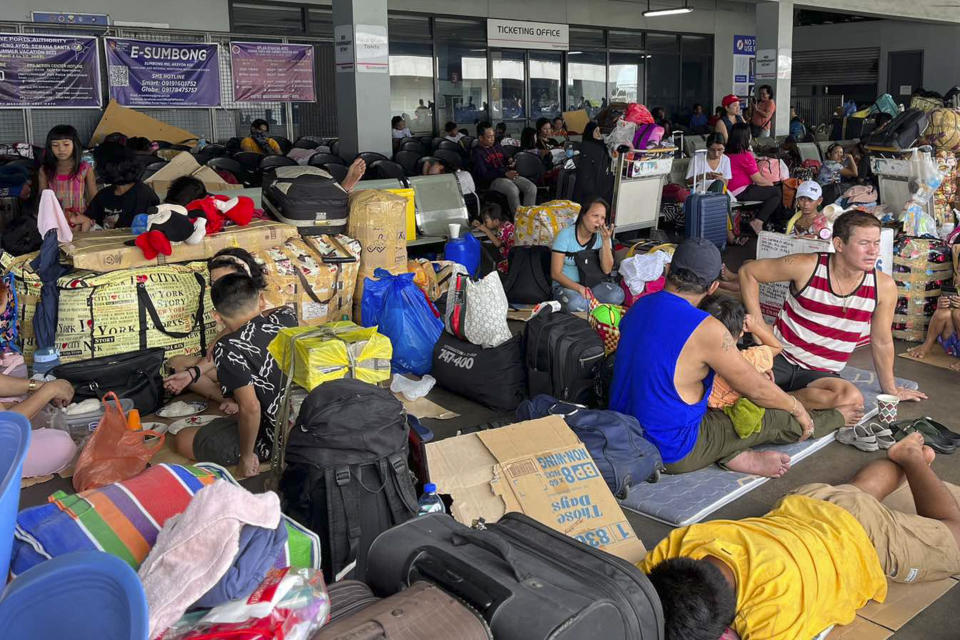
pixel 332 351
pixel 540 224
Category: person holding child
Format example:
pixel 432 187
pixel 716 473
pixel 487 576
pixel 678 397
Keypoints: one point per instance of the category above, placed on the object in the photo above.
pixel 589 233
pixel 71 179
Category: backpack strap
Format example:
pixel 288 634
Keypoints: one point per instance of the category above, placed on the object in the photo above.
pixel 343 477
pixel 343 518
pixel 399 494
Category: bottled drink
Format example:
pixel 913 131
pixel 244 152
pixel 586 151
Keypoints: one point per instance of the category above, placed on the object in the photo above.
pixel 430 502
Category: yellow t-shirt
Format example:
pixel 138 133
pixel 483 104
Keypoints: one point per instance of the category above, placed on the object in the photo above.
pixel 803 567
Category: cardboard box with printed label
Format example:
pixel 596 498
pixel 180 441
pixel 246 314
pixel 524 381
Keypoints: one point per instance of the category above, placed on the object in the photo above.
pixel 540 468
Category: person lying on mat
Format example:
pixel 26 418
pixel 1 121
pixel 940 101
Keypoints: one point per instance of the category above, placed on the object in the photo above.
pixel 247 373
pixel 811 562
pixel 835 300
pixel 668 355
pixel 38 394
pixel 944 328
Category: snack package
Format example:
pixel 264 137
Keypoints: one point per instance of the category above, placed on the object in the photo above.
pixel 290 604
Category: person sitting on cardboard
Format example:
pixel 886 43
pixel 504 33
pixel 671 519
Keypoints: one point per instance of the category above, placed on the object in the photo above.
pixel 38 394
pixel 811 562
pixel 835 300
pixel 944 328
pixel 668 355
pixel 248 374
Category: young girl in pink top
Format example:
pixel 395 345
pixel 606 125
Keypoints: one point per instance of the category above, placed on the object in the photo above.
pixel 65 172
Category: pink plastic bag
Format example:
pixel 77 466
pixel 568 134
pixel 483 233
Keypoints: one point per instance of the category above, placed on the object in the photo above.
pixel 637 114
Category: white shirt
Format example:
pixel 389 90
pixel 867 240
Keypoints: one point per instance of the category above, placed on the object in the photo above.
pixel 699 166
pixel 454 138
pixel 402 133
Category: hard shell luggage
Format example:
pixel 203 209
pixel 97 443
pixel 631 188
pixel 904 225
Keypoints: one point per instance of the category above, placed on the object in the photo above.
pixel 705 214
pixel 528 275
pixel 306 197
pixel 563 355
pixel 494 376
pixel 421 612
pixel 900 133
pixel 528 581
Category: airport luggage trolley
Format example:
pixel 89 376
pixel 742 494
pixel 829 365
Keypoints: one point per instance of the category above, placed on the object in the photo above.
pixel 894 170
pixel 639 178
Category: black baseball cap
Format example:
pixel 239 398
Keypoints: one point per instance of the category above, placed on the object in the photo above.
pixel 700 257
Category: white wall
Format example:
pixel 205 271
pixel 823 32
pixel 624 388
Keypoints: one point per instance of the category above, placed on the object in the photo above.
pixel 940 43
pixel 199 15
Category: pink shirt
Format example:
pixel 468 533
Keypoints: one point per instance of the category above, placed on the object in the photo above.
pixel 742 166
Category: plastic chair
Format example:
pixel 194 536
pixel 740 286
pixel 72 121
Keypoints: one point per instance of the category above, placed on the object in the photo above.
pixel 87 595
pixel 320 159
pixel 211 151
pixel 388 169
pixel 285 144
pixel 229 165
pixel 337 171
pixel 452 159
pixel 270 162
pixel 371 156
pixel 408 160
pixel 510 150
pixel 412 144
pixel 450 145
pixel 14 442
pixel 530 166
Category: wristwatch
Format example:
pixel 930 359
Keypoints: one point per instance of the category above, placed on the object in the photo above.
pixel 32 386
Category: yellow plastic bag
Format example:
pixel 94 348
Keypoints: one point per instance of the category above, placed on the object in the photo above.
pixel 540 224
pixel 332 351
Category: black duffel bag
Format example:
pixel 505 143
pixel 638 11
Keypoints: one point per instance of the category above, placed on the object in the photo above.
pixel 528 277
pixel 496 377
pixel 137 375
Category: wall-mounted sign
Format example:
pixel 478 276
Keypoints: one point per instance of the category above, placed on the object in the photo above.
pixel 163 74
pixel 49 71
pixel 272 72
pixel 71 19
pixel 516 34
pixel 744 65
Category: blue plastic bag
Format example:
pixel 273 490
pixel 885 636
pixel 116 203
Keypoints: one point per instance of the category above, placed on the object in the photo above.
pixel 400 310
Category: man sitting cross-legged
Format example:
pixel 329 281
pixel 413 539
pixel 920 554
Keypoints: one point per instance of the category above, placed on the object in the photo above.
pixel 247 372
pixel 668 355
pixel 812 561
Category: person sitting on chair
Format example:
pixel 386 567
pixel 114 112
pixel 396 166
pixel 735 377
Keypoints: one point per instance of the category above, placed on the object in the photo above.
pixel 258 141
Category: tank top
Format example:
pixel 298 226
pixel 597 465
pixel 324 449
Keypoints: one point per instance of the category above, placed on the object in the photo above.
pixel 652 335
pixel 70 189
pixel 729 123
pixel 818 328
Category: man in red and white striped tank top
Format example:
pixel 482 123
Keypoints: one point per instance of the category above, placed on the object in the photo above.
pixel 835 300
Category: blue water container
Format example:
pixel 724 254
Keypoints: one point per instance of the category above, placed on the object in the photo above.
pixel 14 442
pixel 465 251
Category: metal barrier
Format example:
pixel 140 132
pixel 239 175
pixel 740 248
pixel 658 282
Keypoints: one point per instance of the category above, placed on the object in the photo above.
pixel 816 110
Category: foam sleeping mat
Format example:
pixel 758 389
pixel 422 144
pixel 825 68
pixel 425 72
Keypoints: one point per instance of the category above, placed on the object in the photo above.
pixel 683 499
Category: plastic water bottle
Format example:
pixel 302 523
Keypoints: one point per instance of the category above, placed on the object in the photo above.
pixel 201 143
pixel 430 502
pixel 568 149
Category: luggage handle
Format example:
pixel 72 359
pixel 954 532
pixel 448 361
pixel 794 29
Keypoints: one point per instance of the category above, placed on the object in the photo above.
pixel 696 154
pixel 496 545
pixel 147 304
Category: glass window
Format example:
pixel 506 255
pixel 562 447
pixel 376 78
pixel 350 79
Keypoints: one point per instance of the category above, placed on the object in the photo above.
pixel 586 80
pixel 460 31
pixel 696 77
pixel 320 22
pixel 624 77
pixel 544 85
pixel 250 17
pixel 462 76
pixel 663 72
pixel 587 38
pixel 411 85
pixel 506 87
pixel 408 28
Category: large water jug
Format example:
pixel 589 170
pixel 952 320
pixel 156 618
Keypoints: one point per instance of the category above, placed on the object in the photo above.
pixel 465 250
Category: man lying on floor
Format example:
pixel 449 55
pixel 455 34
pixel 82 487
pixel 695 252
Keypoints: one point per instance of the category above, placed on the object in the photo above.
pixel 247 373
pixel 820 555
pixel 668 355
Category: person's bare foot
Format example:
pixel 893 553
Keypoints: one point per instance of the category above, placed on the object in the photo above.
pixel 919 352
pixel 929 455
pixel 770 464
pixel 757 225
pixel 908 450
pixel 852 414
pixel 955 366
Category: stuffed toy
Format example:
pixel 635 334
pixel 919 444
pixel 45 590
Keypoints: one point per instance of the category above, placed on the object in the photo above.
pixel 167 224
pixel 217 208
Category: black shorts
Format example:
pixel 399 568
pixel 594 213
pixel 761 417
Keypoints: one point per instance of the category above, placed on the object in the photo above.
pixel 219 442
pixel 791 377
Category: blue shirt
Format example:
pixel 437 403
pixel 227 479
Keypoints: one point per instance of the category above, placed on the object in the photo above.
pixel 566 243
pixel 652 335
pixel 698 121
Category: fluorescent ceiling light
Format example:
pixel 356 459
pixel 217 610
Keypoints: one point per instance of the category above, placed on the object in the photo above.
pixel 666 12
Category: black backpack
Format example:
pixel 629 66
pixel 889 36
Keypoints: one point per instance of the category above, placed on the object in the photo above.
pixel 347 476
pixel 528 275
pixel 563 356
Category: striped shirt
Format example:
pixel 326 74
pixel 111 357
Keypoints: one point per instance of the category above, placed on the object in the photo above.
pixel 818 328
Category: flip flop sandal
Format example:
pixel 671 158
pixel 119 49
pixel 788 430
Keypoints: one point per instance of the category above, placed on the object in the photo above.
pixel 884 436
pixel 858 436
pixel 949 435
pixel 934 442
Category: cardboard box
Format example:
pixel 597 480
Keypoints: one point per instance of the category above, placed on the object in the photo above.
pixel 539 468
pixel 184 164
pixel 108 251
pixel 576 121
pixel 133 123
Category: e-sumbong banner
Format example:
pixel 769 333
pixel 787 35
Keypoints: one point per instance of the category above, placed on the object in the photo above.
pixel 272 72
pixel 39 71
pixel 163 74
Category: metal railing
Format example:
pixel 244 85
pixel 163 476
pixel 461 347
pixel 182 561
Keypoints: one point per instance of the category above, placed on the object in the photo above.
pixel 816 110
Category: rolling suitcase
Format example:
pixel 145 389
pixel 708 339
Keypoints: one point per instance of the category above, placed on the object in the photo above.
pixel 422 612
pixel 347 597
pixel 900 133
pixel 528 581
pixel 306 197
pixel 563 355
pixel 706 214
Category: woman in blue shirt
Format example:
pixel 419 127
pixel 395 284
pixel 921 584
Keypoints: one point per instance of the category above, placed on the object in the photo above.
pixel 590 232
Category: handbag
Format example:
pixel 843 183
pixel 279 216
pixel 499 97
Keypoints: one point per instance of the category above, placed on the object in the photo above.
pixel 588 266
pixel 479 311
pixel 137 375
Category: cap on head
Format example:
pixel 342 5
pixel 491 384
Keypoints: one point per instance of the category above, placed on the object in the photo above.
pixel 700 257
pixel 729 100
pixel 810 189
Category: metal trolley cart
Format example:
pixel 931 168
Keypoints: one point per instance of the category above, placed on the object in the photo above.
pixel 639 178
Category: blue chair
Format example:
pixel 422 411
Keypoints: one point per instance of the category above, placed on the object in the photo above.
pixel 14 442
pixel 87 595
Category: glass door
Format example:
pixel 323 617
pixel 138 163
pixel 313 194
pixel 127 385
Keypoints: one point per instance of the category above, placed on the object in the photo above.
pixel 545 84
pixel 507 82
pixel 625 76
pixel 586 81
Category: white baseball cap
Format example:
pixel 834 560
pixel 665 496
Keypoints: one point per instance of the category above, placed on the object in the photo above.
pixel 809 189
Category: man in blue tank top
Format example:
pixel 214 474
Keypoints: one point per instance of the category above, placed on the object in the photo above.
pixel 668 355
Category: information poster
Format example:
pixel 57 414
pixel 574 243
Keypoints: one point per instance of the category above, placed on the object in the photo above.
pixel 372 51
pixel 163 74
pixel 744 65
pixel 49 71
pixel 272 72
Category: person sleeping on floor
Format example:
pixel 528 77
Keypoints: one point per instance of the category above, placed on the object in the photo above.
pixel 810 563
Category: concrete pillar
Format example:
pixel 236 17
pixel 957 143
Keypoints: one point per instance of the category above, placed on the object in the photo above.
pixel 362 77
pixel 775 56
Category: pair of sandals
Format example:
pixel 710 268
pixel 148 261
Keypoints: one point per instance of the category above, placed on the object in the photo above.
pixel 872 436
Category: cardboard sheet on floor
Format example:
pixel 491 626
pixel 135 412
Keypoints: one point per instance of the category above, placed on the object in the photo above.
pixel 424 408
pixel 132 124
pixel 538 467
pixel 936 358
pixel 679 500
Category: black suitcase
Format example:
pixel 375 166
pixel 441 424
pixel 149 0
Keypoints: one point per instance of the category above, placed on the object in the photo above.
pixel 900 133
pixel 528 581
pixel 563 355
pixel 494 376
pixel 306 197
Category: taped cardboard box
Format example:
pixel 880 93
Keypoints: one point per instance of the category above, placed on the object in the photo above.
pixel 378 221
pixel 184 164
pixel 333 351
pixel 107 250
pixel 540 468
